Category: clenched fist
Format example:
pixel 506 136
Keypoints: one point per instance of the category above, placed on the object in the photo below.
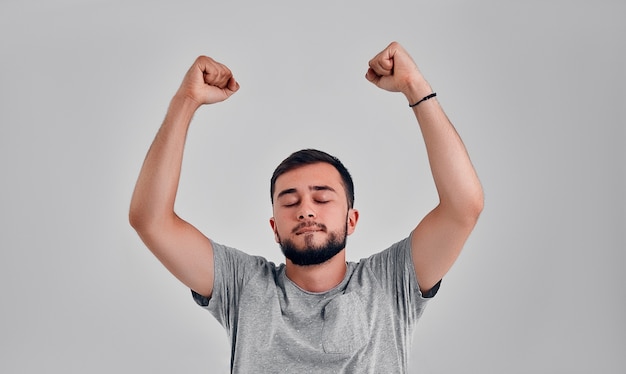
pixel 393 70
pixel 208 82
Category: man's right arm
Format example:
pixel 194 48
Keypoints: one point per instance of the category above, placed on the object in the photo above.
pixel 184 250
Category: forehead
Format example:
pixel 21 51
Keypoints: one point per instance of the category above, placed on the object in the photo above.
pixel 303 177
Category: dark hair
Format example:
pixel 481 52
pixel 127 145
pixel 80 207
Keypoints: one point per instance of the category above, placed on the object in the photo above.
pixel 313 156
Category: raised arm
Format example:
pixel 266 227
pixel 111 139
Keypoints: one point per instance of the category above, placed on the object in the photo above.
pixel 439 237
pixel 183 250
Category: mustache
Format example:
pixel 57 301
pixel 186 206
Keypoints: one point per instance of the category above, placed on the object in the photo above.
pixel 302 225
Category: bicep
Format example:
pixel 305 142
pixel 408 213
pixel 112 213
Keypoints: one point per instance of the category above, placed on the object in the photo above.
pixel 436 243
pixel 184 251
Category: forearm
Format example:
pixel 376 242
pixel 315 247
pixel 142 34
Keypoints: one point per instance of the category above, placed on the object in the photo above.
pixel 439 237
pixel 183 249
pixel 457 184
pixel 155 192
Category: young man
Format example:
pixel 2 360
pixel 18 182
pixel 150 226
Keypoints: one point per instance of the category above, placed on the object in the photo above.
pixel 315 313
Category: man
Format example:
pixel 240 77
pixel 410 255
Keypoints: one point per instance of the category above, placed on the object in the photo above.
pixel 316 313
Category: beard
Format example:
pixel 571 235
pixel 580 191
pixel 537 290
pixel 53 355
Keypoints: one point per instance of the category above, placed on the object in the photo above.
pixel 313 254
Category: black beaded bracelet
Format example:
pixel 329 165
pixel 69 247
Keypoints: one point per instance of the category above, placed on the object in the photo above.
pixel 424 99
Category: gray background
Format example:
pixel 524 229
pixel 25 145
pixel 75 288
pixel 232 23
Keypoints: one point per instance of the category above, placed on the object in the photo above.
pixel 535 88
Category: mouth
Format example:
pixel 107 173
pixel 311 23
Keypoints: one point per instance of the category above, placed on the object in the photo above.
pixel 308 228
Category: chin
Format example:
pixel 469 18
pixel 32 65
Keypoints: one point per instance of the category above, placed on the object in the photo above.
pixel 311 249
pixel 312 240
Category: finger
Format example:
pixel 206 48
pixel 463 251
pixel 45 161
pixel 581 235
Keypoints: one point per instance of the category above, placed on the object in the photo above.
pixel 217 76
pixel 382 63
pixel 371 76
pixel 232 85
pixel 213 73
pixel 217 79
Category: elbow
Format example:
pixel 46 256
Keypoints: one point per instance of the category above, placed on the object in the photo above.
pixel 138 218
pixel 142 224
pixel 467 210
pixel 148 221
pixel 477 201
pixel 475 206
pixel 477 209
pixel 135 219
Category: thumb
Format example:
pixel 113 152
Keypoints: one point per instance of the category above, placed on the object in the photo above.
pixel 371 76
pixel 232 85
pixel 382 63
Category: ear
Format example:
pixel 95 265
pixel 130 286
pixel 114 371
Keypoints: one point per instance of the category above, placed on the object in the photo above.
pixel 274 229
pixel 353 217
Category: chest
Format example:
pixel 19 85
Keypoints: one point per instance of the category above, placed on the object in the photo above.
pixel 340 322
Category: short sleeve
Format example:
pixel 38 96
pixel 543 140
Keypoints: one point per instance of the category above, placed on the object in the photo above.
pixel 232 270
pixel 394 270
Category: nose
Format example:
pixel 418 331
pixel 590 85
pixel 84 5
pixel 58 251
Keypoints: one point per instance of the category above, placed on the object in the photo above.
pixel 308 216
pixel 306 212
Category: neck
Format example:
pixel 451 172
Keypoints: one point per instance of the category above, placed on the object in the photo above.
pixel 318 278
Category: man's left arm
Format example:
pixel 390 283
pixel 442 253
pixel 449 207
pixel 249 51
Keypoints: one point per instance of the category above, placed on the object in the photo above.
pixel 437 240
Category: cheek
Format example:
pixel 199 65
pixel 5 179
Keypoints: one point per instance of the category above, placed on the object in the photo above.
pixel 279 227
pixel 274 227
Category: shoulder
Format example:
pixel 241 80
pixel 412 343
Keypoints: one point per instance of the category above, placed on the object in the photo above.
pixel 232 256
pixel 396 254
pixel 233 270
pixel 385 265
pixel 393 268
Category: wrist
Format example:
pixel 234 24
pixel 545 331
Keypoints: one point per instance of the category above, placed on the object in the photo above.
pixel 184 103
pixel 416 90
pixel 180 111
pixel 427 97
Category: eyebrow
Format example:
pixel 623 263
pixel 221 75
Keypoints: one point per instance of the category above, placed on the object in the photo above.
pixel 311 188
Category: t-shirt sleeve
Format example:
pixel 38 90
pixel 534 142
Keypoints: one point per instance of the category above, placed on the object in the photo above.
pixel 232 270
pixel 395 272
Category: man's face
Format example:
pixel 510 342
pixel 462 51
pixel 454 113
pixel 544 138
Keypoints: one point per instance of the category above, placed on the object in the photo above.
pixel 311 216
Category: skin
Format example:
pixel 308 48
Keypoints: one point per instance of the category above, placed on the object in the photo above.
pixel 436 241
pixel 312 194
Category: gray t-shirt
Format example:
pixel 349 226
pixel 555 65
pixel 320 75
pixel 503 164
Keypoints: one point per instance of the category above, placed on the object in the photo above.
pixel 364 325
